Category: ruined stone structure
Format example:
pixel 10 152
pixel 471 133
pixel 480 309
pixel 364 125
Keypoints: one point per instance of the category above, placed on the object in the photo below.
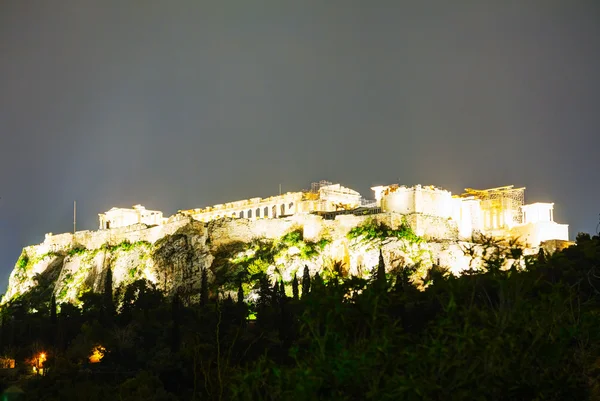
pixel 119 217
pixel 171 252
pixel 432 212
pixel 499 212
pixel 324 198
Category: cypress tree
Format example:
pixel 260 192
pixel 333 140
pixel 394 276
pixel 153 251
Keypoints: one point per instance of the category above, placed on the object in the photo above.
pixel 399 285
pixel 175 330
pixel 108 294
pixel 295 292
pixel 317 281
pixel 241 308
pixel 53 328
pixel 282 290
pixel 275 292
pixel 204 288
pixel 541 256
pixel 264 295
pixel 53 310
pixel 305 282
pixel 380 274
pixel 240 294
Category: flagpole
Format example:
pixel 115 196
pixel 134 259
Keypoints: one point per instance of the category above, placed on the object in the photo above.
pixel 74 217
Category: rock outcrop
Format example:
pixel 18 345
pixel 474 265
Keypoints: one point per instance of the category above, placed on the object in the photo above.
pixel 174 254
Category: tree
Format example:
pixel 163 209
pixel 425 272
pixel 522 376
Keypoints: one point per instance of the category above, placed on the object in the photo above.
pixel 204 288
pixel 317 282
pixel 175 330
pixel 582 237
pixel 266 299
pixel 275 293
pixel 264 292
pixel 108 294
pixel 240 294
pixel 541 256
pixel 305 282
pixel 53 310
pixel 380 278
pixel 295 287
pixel 282 290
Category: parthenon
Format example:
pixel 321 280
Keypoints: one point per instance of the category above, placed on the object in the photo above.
pixel 323 197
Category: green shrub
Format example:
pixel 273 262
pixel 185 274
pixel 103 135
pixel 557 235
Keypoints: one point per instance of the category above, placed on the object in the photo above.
pixel 77 250
pixel 372 230
pixel 23 261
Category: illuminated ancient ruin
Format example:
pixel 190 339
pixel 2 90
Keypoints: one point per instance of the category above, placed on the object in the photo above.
pixel 120 217
pixel 323 197
pixel 499 212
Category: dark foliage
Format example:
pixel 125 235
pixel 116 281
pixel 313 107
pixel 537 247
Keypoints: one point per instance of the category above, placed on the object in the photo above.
pixel 305 282
pixel 493 334
pixel 204 288
pixel 295 292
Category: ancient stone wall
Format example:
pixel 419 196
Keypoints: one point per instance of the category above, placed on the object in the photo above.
pixel 95 239
pixel 425 200
pixel 272 207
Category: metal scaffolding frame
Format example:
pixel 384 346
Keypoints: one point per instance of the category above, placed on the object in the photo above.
pixel 502 199
pixel 316 186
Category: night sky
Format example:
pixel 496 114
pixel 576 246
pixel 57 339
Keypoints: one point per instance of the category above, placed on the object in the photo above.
pixel 183 104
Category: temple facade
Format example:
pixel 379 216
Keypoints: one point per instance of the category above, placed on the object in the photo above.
pixel 120 217
pixel 498 212
pixel 322 198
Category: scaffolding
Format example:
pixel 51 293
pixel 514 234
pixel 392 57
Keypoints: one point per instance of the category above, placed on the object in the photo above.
pixel 502 201
pixel 316 186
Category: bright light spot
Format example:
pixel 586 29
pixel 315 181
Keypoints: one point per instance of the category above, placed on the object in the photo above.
pixel 38 363
pixel 97 354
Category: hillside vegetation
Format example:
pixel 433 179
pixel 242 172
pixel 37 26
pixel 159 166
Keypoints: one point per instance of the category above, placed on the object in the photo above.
pixel 519 334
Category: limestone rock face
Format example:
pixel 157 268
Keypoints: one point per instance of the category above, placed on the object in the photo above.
pixel 171 261
pixel 174 254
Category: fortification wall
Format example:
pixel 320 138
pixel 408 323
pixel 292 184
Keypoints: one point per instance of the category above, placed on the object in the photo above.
pixel 402 200
pixel 178 260
pixel 425 200
pixel 95 239
pixel 533 234
pixel 434 202
pixel 272 207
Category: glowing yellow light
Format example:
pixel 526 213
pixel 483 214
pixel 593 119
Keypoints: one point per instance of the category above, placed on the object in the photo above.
pixel 38 363
pixel 97 354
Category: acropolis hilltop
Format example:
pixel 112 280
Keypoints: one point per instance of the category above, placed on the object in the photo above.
pixel 498 212
pixel 325 220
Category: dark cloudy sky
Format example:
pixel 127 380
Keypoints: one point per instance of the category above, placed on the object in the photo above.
pixel 180 104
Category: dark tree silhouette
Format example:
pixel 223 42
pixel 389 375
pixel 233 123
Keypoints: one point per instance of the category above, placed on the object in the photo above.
pixel 275 292
pixel 295 292
pixel 264 291
pixel 317 281
pixel 282 290
pixel 175 318
pixel 305 282
pixel 240 294
pixel 53 310
pixel 380 278
pixel 109 305
pixel 204 288
pixel 541 256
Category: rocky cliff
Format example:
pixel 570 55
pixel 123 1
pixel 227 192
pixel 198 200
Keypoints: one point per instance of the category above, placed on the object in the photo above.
pixel 173 255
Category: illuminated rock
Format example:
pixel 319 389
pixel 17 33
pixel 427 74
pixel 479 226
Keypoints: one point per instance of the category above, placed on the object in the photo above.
pixel 172 252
